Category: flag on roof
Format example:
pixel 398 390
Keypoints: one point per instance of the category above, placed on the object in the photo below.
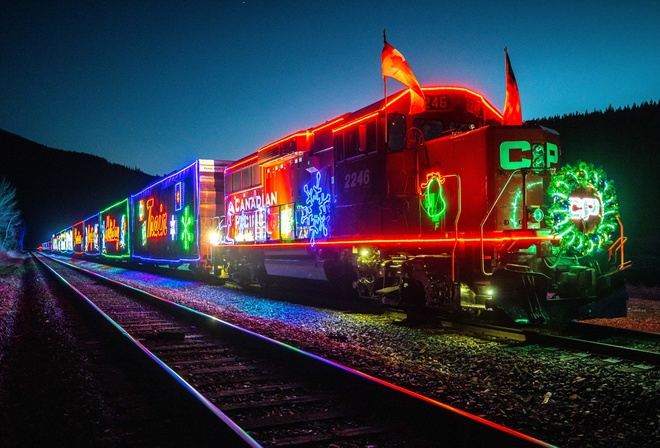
pixel 395 66
pixel 512 109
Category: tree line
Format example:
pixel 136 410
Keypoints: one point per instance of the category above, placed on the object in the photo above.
pixel 11 224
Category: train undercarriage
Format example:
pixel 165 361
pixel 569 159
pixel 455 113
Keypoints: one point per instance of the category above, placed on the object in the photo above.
pixel 537 284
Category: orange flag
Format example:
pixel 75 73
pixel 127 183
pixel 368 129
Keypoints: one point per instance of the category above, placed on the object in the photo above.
pixel 395 66
pixel 512 109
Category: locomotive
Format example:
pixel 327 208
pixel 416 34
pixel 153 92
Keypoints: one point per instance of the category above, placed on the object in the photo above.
pixel 441 211
pixel 445 210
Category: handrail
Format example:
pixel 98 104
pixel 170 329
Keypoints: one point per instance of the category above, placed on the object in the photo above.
pixel 483 222
pixel 618 245
pixel 458 215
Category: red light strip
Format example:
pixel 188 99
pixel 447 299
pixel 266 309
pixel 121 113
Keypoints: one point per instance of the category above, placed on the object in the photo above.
pixel 471 92
pixel 330 123
pixel 250 159
pixel 358 120
pixel 297 134
pixel 402 241
pixel 239 164
pixel 354 122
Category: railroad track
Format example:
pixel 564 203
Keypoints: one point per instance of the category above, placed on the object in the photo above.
pixel 612 342
pixel 631 345
pixel 253 391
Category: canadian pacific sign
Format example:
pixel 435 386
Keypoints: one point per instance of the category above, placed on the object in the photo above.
pixel 254 200
pixel 521 154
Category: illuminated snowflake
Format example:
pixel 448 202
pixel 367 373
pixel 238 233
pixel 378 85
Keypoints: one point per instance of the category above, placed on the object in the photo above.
pixel 187 235
pixel 316 211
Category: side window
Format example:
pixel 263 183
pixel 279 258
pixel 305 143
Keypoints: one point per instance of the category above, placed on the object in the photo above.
pixel 236 181
pixel 339 147
pixel 256 175
pixel 351 142
pixel 246 178
pixel 368 137
pixel 396 132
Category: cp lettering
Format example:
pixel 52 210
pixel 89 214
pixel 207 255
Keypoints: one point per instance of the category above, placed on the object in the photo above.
pixel 518 154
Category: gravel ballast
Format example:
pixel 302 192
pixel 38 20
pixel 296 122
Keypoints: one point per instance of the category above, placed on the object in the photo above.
pixel 561 397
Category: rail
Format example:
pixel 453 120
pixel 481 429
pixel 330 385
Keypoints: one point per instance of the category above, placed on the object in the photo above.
pixel 434 421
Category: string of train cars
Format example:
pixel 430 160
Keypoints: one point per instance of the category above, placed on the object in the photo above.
pixel 446 210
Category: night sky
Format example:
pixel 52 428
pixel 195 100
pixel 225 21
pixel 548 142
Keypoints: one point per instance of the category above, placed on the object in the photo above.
pixel 157 84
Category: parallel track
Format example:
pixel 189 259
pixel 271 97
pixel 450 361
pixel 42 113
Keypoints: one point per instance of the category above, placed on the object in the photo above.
pixel 265 393
pixel 630 345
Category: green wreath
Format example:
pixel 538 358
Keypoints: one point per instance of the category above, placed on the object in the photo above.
pixel 583 208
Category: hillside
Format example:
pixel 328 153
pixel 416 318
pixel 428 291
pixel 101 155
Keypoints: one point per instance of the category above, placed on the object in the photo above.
pixel 56 187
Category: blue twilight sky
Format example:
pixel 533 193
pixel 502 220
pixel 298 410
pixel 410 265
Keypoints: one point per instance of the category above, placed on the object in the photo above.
pixel 155 84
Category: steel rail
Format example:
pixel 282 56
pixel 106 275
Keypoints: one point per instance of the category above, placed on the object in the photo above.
pixel 446 424
pixel 228 430
pixel 581 343
pixel 585 341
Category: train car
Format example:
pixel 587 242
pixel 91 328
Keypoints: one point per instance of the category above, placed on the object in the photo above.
pixel 174 220
pixel 63 241
pixel 115 235
pixel 447 209
pixel 78 231
pixel 92 236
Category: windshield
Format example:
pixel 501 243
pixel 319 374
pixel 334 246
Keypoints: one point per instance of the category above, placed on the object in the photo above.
pixel 430 128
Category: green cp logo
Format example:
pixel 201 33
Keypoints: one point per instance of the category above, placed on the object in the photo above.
pixel 521 154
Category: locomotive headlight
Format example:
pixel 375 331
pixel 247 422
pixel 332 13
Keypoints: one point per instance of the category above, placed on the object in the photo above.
pixel 491 295
pixel 214 238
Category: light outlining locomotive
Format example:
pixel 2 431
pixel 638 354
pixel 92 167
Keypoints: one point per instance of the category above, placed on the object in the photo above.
pixel 445 210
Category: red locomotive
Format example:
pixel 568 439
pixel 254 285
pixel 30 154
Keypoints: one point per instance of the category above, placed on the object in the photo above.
pixel 445 209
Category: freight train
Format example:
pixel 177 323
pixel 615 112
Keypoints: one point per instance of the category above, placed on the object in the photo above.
pixel 443 211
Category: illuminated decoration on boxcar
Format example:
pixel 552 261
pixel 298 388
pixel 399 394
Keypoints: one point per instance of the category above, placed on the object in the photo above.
pixel 78 232
pixel 178 196
pixel 165 218
pixel 115 239
pixel 584 208
pixel 187 229
pixel 92 246
pixel 65 240
pixel 156 222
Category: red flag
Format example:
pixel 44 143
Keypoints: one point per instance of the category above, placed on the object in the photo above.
pixel 395 66
pixel 512 109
